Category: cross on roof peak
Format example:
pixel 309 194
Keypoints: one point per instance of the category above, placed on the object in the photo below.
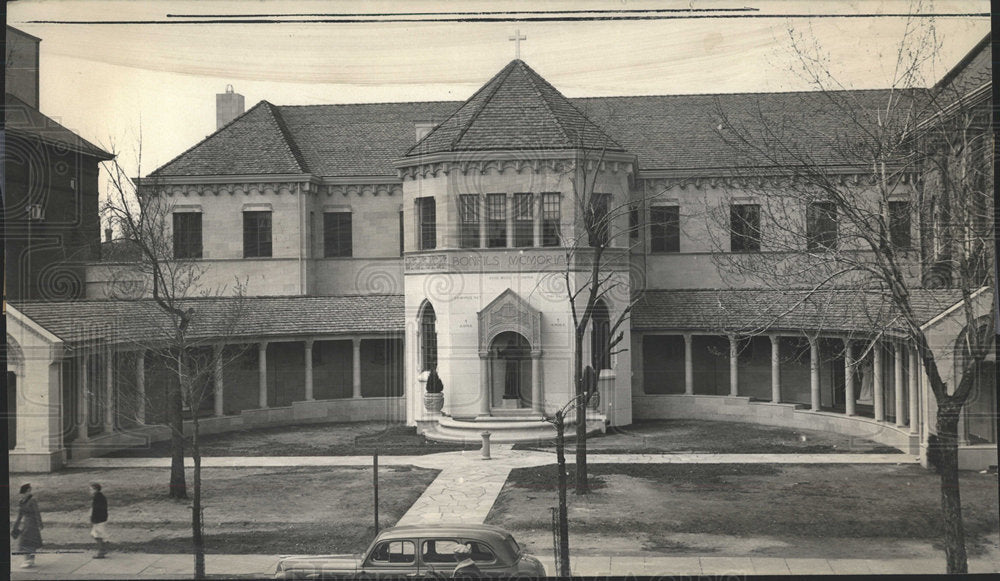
pixel 517 38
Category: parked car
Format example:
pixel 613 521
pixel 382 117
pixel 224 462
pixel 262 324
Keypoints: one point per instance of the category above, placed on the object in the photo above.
pixel 420 551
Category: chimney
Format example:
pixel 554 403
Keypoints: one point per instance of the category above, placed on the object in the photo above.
pixel 108 233
pixel 228 106
pixel 423 128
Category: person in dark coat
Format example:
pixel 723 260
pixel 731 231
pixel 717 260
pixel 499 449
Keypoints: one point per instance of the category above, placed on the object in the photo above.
pixel 466 567
pixel 98 519
pixel 28 527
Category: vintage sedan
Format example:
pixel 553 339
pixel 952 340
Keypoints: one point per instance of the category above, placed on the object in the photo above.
pixel 426 551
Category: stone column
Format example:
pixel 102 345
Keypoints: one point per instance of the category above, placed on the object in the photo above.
pixel 688 365
pixel 536 204
pixel 897 384
pixel 814 373
pixel 357 368
pixel 877 382
pixel 537 405
pixel 82 434
pixel 482 221
pixel 849 396
pixel 484 383
pixel 109 391
pixel 140 385
pixel 775 368
pixel 309 370
pixel 734 370
pixel 219 382
pixel 262 374
pixel 509 206
pixel 913 392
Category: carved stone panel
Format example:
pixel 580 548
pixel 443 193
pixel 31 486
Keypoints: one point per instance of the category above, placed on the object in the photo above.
pixel 509 312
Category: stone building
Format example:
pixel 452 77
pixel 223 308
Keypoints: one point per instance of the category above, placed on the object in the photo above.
pixel 381 242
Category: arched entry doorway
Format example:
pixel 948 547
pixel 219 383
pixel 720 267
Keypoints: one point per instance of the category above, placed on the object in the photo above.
pixel 510 371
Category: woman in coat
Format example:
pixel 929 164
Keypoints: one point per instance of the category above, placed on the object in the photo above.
pixel 28 527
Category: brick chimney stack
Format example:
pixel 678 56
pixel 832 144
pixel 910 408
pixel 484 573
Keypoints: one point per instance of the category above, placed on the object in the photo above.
pixel 228 106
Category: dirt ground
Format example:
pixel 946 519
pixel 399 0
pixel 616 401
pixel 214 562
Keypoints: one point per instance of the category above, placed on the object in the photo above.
pixel 793 511
pixel 247 510
pixel 664 436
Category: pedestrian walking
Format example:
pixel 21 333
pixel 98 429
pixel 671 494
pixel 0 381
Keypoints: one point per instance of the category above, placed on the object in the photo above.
pixel 99 520
pixel 28 527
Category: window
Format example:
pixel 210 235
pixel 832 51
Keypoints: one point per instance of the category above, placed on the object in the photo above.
pixel 601 224
pixel 256 234
pixel 633 224
pixel 337 234
pixel 821 226
pixel 744 228
pixel 187 235
pixel 428 338
pixel 551 216
pixel 427 220
pixel 665 229
pixel 403 552
pixel 443 551
pixel 400 232
pixel 468 221
pixel 899 224
pixel 496 220
pixel 600 337
pixel 524 220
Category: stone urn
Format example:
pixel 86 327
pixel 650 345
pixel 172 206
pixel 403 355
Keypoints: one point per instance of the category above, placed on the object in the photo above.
pixel 433 395
pixel 594 401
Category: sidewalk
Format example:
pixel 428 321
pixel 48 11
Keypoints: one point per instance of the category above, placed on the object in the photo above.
pixel 147 566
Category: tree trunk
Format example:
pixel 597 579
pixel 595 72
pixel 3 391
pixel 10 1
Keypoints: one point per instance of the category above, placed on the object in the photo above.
pixel 564 570
pixel 178 486
pixel 951 501
pixel 196 524
pixel 582 486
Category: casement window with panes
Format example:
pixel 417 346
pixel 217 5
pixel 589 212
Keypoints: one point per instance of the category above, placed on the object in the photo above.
pixel 821 226
pixel 899 225
pixel 468 221
pixel 337 237
pixel 601 225
pixel 187 235
pixel 744 228
pixel 524 220
pixel 256 234
pixel 551 217
pixel 664 229
pixel 426 224
pixel 496 220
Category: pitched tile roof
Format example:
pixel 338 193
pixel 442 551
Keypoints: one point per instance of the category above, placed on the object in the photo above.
pixel 972 72
pixel 257 142
pixel 516 110
pixel 791 310
pixel 21 119
pixel 120 321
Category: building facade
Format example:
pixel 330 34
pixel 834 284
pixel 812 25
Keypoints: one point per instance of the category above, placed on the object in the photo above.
pixel 383 242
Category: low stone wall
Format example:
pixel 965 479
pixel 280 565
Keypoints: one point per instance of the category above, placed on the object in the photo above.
pixel 741 409
pixel 300 412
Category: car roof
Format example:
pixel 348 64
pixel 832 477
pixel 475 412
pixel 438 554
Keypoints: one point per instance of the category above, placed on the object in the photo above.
pixel 456 529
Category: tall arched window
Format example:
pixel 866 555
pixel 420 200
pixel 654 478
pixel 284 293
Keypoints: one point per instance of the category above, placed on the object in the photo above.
pixel 600 337
pixel 428 338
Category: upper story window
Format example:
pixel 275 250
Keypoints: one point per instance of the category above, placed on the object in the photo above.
pixel 744 228
pixel 524 220
pixel 256 234
pixel 187 235
pixel 665 229
pixel 337 238
pixel 821 226
pixel 496 220
pixel 468 221
pixel 601 225
pixel 426 224
pixel 899 225
pixel 633 224
pixel 551 216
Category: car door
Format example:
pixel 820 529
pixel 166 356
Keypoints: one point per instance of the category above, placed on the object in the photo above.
pixel 438 559
pixel 487 559
pixel 391 558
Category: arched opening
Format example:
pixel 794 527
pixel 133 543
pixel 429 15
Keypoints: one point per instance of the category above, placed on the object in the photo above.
pixel 428 337
pixel 510 371
pixel 980 410
pixel 600 337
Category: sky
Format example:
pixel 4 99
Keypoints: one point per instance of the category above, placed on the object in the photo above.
pixel 124 73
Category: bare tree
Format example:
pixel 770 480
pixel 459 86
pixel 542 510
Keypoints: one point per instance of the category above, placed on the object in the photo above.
pixel 184 324
pixel 839 180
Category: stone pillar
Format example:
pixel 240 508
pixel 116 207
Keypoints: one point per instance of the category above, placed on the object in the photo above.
pixel 814 374
pixel 897 384
pixel 775 369
pixel 82 434
pixel 262 374
pixel 109 391
pixel 877 382
pixel 219 382
pixel 734 370
pixel 849 396
pixel 140 385
pixel 309 370
pixel 536 204
pixel 913 392
pixel 688 366
pixel 537 405
pixel 484 383
pixel 482 222
pixel 509 207
pixel 356 383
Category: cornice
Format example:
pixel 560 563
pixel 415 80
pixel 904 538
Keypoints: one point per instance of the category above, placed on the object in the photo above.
pixel 535 162
pixel 703 182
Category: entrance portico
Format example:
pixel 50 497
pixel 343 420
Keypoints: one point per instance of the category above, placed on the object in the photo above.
pixel 510 333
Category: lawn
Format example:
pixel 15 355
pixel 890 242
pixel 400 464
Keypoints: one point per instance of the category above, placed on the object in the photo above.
pixel 337 439
pixel 806 511
pixel 247 510
pixel 667 436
